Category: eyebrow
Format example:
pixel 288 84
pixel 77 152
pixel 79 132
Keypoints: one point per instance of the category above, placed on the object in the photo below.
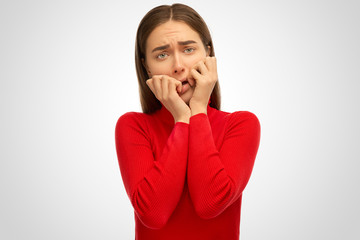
pixel 182 43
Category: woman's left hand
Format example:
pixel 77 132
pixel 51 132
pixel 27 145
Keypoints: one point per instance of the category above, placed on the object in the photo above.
pixel 205 75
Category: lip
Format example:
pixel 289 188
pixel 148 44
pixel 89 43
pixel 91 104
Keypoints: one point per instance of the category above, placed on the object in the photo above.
pixel 185 87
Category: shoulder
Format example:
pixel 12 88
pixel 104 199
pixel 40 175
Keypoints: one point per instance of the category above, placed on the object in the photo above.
pixel 243 116
pixel 234 117
pixel 131 119
pixel 243 120
pixel 234 120
pixel 131 116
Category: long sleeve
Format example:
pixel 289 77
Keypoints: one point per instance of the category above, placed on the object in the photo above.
pixel 216 179
pixel 154 186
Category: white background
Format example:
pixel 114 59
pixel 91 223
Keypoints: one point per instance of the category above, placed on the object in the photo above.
pixel 67 74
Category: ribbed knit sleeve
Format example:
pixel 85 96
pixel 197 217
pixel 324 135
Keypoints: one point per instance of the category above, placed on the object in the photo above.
pixel 154 186
pixel 217 178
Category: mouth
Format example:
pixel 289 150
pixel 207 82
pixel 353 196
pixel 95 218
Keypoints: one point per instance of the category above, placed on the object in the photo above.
pixel 185 82
pixel 185 85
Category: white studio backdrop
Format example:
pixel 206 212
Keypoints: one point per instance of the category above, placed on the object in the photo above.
pixel 67 74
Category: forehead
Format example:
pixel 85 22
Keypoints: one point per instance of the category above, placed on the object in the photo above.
pixel 171 31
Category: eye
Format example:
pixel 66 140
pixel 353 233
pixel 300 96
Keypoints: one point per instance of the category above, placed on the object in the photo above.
pixel 161 56
pixel 189 50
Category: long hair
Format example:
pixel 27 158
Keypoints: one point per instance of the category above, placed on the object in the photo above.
pixel 154 18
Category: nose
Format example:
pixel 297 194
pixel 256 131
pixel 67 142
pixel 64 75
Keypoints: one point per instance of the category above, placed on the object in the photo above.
pixel 178 65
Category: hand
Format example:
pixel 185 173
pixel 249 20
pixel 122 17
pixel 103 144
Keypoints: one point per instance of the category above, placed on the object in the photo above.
pixel 166 90
pixel 205 75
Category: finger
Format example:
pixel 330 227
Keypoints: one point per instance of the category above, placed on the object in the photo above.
pixel 191 81
pixel 178 85
pixel 209 63
pixel 149 82
pixel 157 86
pixel 164 87
pixel 174 85
pixel 196 66
pixel 190 78
pixel 202 68
pixel 195 74
pixel 213 64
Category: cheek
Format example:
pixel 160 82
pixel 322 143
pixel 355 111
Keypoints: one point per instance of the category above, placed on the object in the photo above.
pixel 193 62
pixel 158 68
pixel 195 59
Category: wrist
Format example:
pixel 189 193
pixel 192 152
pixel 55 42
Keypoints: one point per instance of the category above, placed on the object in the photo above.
pixel 184 120
pixel 198 108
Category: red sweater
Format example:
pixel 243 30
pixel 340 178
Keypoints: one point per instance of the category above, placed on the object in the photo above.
pixel 185 181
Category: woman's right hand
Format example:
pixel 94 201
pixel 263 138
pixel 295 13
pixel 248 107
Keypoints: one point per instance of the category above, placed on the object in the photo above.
pixel 166 90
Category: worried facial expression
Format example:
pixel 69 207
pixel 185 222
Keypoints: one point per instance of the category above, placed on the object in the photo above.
pixel 172 49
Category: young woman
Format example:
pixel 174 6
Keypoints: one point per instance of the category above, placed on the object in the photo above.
pixel 183 161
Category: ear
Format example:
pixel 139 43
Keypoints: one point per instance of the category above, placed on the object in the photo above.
pixel 146 66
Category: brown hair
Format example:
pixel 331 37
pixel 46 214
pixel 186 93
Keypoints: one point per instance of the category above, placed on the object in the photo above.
pixel 154 18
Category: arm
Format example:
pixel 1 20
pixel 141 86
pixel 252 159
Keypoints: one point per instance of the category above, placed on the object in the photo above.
pixel 154 187
pixel 216 179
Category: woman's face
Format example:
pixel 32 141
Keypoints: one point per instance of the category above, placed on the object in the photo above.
pixel 172 49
